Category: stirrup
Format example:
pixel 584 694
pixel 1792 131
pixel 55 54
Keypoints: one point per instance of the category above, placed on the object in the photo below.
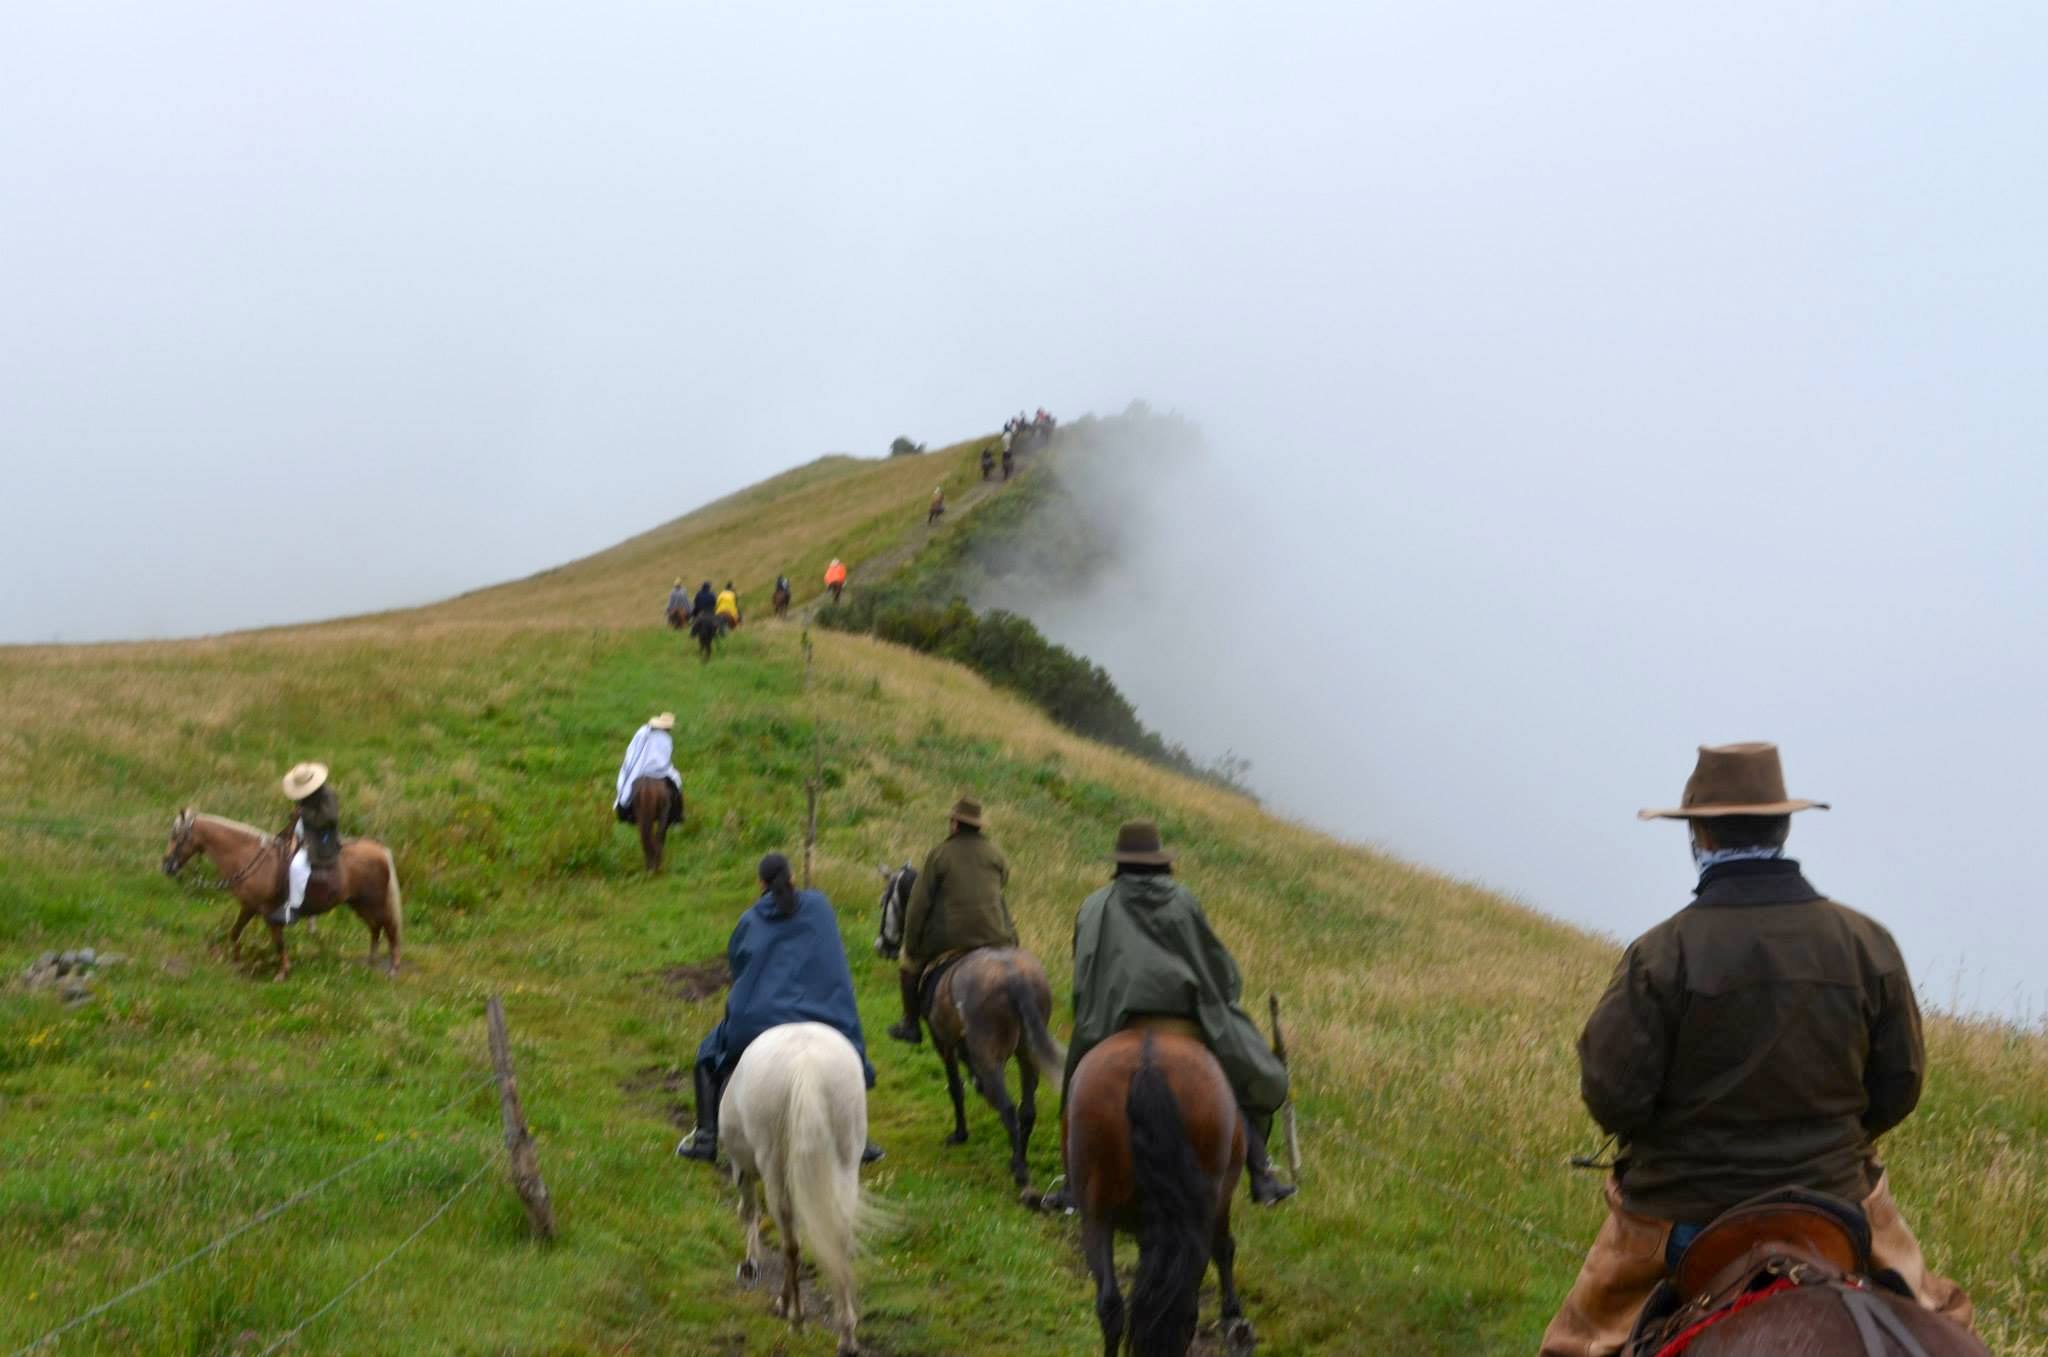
pixel 1056 1199
pixel 695 1146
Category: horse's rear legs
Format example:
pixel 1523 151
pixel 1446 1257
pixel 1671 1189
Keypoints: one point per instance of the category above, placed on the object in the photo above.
pixel 952 1059
pixel 1238 1339
pixel 1098 1242
pixel 1027 1114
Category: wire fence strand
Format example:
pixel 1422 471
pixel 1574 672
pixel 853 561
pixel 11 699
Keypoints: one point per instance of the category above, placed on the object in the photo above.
pixel 338 1297
pixel 223 1241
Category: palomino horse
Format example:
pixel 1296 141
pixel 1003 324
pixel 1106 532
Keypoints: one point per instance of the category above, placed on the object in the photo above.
pixel 988 1006
pixel 1789 1274
pixel 657 805
pixel 1154 1145
pixel 794 1119
pixel 253 866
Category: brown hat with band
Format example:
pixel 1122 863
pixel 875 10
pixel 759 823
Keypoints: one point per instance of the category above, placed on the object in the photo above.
pixel 968 811
pixel 1139 845
pixel 1735 779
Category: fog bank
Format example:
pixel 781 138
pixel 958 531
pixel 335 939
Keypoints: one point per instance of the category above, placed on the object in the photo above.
pixel 1488 666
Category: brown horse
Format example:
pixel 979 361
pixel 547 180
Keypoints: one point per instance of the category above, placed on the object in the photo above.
pixel 990 1005
pixel 706 629
pixel 657 805
pixel 253 866
pixel 1154 1145
pixel 1823 1320
pixel 1789 1274
pixel 779 600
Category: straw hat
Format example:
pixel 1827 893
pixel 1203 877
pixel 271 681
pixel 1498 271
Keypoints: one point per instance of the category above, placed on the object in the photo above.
pixel 304 779
pixel 1735 779
pixel 967 810
pixel 1138 844
pixel 665 721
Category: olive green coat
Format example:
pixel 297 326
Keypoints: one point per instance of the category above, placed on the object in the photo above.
pixel 1142 946
pixel 1762 1037
pixel 957 903
pixel 318 818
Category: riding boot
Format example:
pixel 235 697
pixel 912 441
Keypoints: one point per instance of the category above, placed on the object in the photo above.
pixel 872 1153
pixel 913 1003
pixel 1258 1168
pixel 702 1143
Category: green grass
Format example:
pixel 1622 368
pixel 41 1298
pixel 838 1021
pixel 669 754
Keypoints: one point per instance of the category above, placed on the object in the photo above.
pixel 1433 1023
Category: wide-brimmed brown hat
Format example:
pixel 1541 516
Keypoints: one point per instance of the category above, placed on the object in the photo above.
pixel 967 810
pixel 304 779
pixel 1138 844
pixel 665 721
pixel 1735 779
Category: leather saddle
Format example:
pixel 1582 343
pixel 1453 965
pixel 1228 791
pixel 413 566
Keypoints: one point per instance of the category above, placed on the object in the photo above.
pixel 1789 1235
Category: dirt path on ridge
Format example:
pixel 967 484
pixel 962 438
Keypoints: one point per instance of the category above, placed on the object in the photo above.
pixel 878 568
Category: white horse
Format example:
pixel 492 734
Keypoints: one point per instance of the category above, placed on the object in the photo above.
pixel 794 1118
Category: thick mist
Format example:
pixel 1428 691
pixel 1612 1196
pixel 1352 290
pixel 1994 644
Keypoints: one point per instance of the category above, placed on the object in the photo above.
pixel 1490 668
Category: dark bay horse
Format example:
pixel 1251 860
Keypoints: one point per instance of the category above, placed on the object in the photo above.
pixel 705 628
pixel 779 600
pixel 253 866
pixel 1789 1274
pixel 988 1007
pixel 657 807
pixel 1154 1145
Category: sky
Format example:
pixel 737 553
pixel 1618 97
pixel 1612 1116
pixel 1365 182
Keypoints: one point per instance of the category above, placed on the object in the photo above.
pixel 1581 383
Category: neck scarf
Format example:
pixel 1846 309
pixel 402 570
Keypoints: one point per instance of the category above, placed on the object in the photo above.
pixel 1708 859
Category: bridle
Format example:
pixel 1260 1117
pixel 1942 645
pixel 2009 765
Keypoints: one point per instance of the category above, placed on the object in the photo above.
pixel 182 844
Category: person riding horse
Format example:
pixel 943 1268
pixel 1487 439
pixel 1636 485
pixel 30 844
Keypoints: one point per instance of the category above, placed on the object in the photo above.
pixel 779 600
pixel 788 965
pixel 835 577
pixel 938 505
pixel 956 906
pixel 727 606
pixel 651 753
pixel 988 461
pixel 677 610
pixel 315 834
pixel 706 602
pixel 1762 1037
pixel 1145 955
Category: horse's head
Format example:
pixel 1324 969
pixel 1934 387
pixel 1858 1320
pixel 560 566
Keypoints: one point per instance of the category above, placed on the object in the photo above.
pixel 182 845
pixel 895 899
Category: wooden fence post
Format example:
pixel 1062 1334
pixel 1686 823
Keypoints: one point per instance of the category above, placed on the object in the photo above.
pixel 519 1150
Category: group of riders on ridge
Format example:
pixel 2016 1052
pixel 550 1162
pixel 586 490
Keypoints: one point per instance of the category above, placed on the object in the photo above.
pixel 1761 1039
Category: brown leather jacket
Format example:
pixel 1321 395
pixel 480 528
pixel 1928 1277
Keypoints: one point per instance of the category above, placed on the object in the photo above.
pixel 1763 1036
pixel 318 818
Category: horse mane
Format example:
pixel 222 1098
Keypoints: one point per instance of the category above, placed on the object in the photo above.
pixel 226 823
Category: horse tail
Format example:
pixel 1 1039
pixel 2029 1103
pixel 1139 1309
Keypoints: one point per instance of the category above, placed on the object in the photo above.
pixel 821 1176
pixel 397 896
pixel 1044 1051
pixel 1176 1214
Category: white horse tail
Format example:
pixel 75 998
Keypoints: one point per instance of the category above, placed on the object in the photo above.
pixel 397 896
pixel 821 1169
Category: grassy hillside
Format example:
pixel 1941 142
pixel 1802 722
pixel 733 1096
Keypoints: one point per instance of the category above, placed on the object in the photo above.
pixel 1433 1022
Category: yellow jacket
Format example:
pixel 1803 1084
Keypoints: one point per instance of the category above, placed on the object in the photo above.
pixel 728 605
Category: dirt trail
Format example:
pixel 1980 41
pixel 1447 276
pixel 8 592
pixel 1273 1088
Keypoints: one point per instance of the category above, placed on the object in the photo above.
pixel 875 569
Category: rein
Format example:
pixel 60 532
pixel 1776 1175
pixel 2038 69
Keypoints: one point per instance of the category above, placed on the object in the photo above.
pixel 270 845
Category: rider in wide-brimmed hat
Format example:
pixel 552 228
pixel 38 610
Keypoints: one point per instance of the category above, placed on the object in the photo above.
pixel 650 753
pixel 956 906
pixel 1762 1037
pixel 314 835
pixel 1144 952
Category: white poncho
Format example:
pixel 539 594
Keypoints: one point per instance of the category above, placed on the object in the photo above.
pixel 650 755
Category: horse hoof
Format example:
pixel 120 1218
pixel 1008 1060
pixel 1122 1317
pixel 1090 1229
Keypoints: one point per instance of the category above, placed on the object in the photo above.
pixel 957 1138
pixel 749 1271
pixel 1238 1338
pixel 1031 1199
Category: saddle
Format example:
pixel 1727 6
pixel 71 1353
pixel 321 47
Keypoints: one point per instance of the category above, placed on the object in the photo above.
pixel 928 983
pixel 1784 1238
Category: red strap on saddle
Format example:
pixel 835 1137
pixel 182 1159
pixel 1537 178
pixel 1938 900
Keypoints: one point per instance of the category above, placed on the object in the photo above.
pixel 1684 1340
